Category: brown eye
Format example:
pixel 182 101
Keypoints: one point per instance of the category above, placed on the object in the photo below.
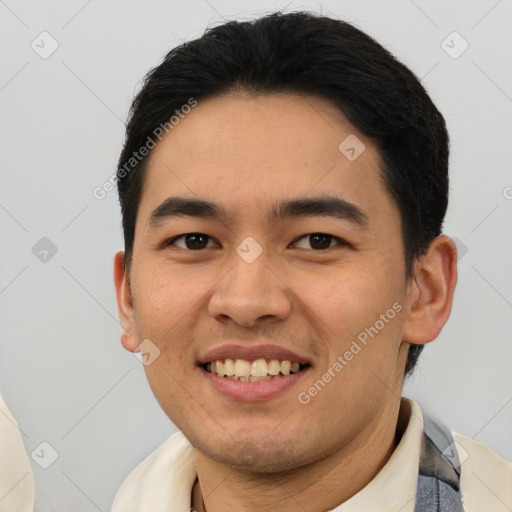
pixel 193 241
pixel 317 241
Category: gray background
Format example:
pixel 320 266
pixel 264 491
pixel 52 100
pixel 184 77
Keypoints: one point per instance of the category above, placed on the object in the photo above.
pixel 63 371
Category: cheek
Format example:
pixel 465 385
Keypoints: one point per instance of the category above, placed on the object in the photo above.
pixel 165 302
pixel 346 301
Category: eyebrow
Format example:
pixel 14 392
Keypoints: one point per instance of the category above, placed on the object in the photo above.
pixel 321 206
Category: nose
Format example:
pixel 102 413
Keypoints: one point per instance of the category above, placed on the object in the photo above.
pixel 250 293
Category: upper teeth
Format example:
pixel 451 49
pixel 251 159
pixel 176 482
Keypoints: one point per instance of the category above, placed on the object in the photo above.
pixel 260 368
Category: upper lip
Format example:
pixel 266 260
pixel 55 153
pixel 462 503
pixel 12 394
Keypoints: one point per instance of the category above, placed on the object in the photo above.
pixel 250 353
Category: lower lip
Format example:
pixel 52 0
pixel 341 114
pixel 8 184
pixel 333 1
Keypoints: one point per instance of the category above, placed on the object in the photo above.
pixel 252 391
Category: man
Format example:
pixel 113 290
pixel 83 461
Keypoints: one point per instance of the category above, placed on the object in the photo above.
pixel 283 186
pixel 17 486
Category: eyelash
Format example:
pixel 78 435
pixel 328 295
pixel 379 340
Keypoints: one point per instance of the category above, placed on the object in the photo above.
pixel 340 241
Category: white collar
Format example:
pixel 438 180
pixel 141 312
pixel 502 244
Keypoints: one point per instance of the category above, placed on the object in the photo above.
pixel 163 481
pixel 17 487
pixel 394 487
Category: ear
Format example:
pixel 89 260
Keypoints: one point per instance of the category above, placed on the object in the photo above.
pixel 129 338
pixel 430 291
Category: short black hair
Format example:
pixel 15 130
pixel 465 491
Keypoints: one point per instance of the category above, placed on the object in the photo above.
pixel 303 52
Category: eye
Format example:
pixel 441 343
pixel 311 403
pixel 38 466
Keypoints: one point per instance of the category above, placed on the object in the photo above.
pixel 319 241
pixel 197 241
pixel 190 241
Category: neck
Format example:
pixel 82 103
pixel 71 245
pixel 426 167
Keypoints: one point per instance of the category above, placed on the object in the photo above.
pixel 319 486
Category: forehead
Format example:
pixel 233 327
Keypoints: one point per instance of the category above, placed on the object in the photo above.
pixel 244 150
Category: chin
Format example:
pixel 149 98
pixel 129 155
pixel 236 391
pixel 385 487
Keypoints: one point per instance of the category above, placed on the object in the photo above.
pixel 263 456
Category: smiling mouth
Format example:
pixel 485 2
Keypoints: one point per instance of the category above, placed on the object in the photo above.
pixel 253 371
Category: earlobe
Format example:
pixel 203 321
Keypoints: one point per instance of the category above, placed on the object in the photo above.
pixel 431 290
pixel 128 342
pixel 129 338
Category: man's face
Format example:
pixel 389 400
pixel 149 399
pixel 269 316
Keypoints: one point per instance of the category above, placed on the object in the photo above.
pixel 254 286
